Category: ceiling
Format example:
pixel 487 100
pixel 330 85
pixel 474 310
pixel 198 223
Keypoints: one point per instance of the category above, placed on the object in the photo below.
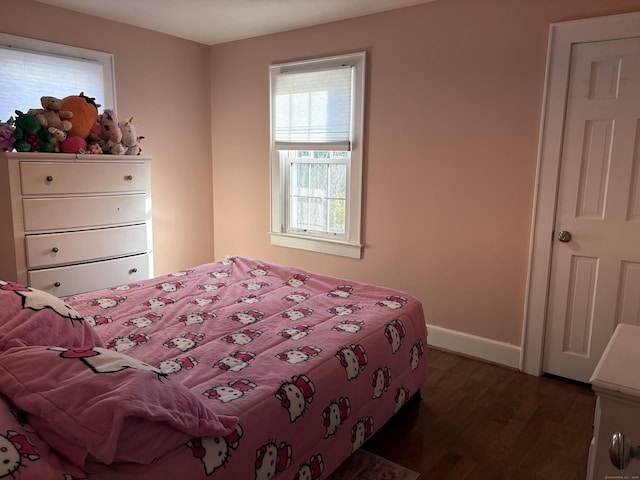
pixel 218 21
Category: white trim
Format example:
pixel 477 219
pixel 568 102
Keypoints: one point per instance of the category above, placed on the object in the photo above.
pixel 562 36
pixel 320 245
pixel 473 346
pixel 352 246
pixel 339 146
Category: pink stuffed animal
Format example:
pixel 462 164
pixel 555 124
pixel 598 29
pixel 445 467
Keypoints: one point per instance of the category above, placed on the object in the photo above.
pixel 73 144
pixel 7 138
pixel 94 148
pixel 106 133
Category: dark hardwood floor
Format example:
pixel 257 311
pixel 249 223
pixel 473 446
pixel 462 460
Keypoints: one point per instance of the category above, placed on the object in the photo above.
pixel 482 421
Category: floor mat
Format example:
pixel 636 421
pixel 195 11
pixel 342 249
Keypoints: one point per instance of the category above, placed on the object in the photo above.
pixel 363 465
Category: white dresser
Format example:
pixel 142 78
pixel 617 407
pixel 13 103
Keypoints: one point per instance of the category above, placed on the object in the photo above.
pixel 616 381
pixel 74 223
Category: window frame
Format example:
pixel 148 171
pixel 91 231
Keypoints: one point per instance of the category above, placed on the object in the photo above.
pixel 32 45
pixel 351 245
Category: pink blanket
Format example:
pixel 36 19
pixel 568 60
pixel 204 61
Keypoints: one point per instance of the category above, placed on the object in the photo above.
pixel 302 368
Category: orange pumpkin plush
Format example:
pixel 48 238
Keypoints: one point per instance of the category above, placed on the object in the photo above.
pixel 85 114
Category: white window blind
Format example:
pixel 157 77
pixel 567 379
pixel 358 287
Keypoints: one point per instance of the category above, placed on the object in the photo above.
pixel 30 69
pixel 313 110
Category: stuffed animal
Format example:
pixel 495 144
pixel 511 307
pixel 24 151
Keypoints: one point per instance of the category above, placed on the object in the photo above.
pixel 57 137
pixel 73 144
pixel 29 134
pixel 85 114
pixel 94 148
pixel 7 138
pixel 106 133
pixel 52 115
pixel 130 140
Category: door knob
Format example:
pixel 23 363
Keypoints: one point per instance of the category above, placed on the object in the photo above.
pixel 564 236
pixel 621 451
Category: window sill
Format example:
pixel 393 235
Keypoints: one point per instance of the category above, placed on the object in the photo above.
pixel 320 245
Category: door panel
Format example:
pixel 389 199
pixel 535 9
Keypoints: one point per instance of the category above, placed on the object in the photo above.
pixel 579 316
pixel 629 301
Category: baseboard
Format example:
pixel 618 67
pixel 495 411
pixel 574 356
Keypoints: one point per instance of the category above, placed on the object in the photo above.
pixel 473 346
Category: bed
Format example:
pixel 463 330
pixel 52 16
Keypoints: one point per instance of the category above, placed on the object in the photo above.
pixel 240 369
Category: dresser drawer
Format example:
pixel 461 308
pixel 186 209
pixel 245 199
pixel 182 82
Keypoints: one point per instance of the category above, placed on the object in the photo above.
pixel 42 178
pixel 75 247
pixel 65 281
pixel 63 213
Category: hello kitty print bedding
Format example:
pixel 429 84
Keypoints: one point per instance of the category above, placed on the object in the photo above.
pixel 240 369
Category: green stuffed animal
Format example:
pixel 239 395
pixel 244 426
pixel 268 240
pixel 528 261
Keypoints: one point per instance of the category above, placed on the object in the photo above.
pixel 29 134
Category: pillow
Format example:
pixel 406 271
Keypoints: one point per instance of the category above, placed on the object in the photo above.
pixel 23 454
pixel 97 404
pixel 33 317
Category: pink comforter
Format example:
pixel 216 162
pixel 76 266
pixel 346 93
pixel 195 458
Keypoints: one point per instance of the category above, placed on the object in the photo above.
pixel 309 364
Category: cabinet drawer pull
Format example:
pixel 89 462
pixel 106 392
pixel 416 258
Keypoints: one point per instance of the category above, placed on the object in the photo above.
pixel 55 250
pixel 133 270
pixel 129 177
pixel 49 179
pixel 57 284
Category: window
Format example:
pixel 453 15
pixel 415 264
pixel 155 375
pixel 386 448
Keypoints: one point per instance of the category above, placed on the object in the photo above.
pixel 30 69
pixel 317 109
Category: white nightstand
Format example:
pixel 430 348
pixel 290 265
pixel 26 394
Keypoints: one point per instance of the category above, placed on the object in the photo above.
pixel 616 381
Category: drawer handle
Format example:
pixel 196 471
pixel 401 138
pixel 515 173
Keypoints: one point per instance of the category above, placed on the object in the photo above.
pixel 133 270
pixel 57 284
pixel 55 250
pixel 49 179
pixel 129 177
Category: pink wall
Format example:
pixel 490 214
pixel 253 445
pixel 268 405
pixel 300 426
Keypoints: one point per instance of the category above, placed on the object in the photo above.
pixel 454 104
pixel 454 98
pixel 163 82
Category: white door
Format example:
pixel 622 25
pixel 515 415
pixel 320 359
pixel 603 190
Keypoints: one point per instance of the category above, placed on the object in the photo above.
pixel 595 263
